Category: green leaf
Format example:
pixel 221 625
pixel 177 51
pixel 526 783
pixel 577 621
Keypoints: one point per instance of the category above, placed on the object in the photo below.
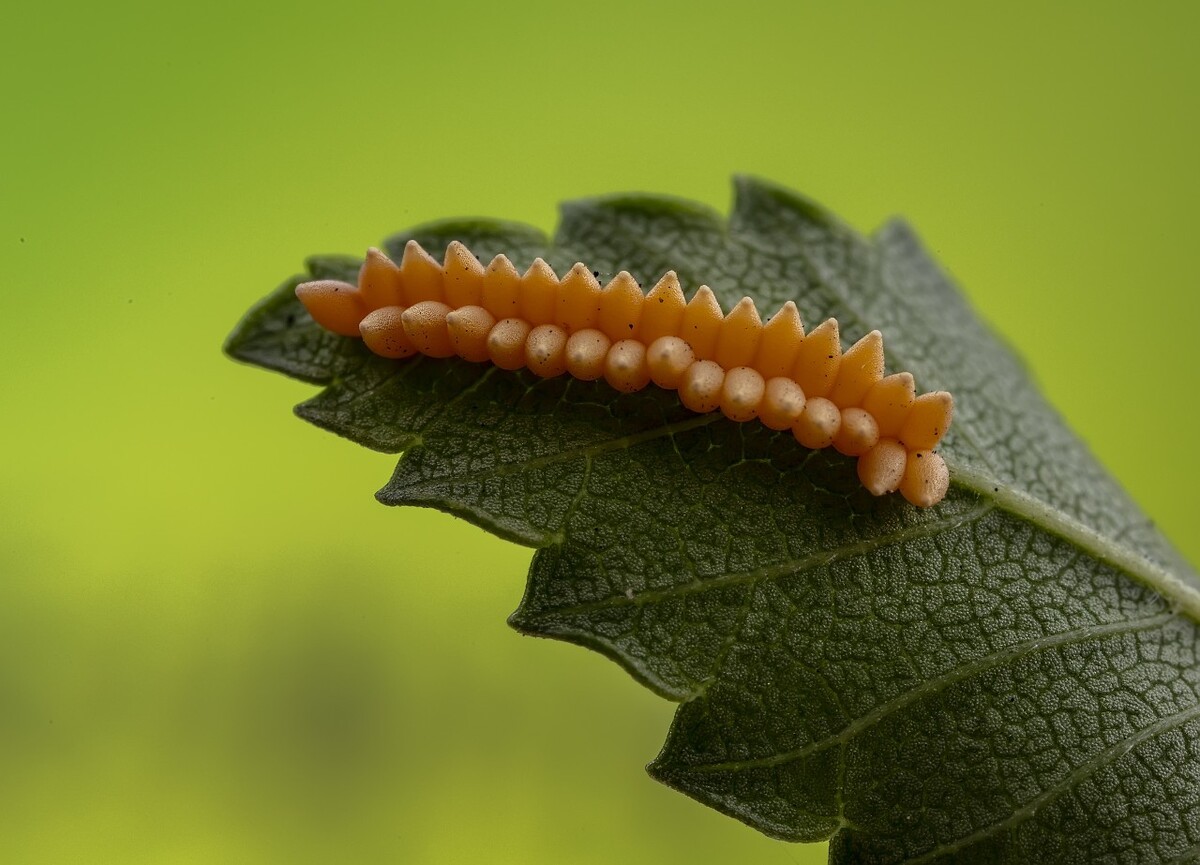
pixel 1009 676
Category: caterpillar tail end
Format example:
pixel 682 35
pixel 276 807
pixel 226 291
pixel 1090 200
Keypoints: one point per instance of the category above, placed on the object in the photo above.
pixel 335 305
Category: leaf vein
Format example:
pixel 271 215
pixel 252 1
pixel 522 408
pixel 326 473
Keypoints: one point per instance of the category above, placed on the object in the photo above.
pixel 1139 568
pixel 560 536
pixel 593 450
pixel 788 567
pixel 942 681
pixel 1079 774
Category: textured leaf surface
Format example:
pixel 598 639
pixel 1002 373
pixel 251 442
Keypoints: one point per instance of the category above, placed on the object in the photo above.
pixel 1009 676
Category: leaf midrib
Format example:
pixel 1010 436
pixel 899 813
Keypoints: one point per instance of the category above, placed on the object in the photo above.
pixel 1185 599
pixel 1140 569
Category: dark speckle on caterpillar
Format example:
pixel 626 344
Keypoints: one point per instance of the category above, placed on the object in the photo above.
pixel 773 372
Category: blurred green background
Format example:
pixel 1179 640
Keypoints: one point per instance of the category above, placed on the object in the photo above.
pixel 214 645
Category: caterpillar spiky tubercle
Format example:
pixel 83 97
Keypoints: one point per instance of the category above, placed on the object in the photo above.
pixel 774 372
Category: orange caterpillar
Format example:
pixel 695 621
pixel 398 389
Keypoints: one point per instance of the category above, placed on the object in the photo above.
pixel 734 362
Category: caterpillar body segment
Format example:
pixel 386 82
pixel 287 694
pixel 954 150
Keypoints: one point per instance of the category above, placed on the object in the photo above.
pixel 771 371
